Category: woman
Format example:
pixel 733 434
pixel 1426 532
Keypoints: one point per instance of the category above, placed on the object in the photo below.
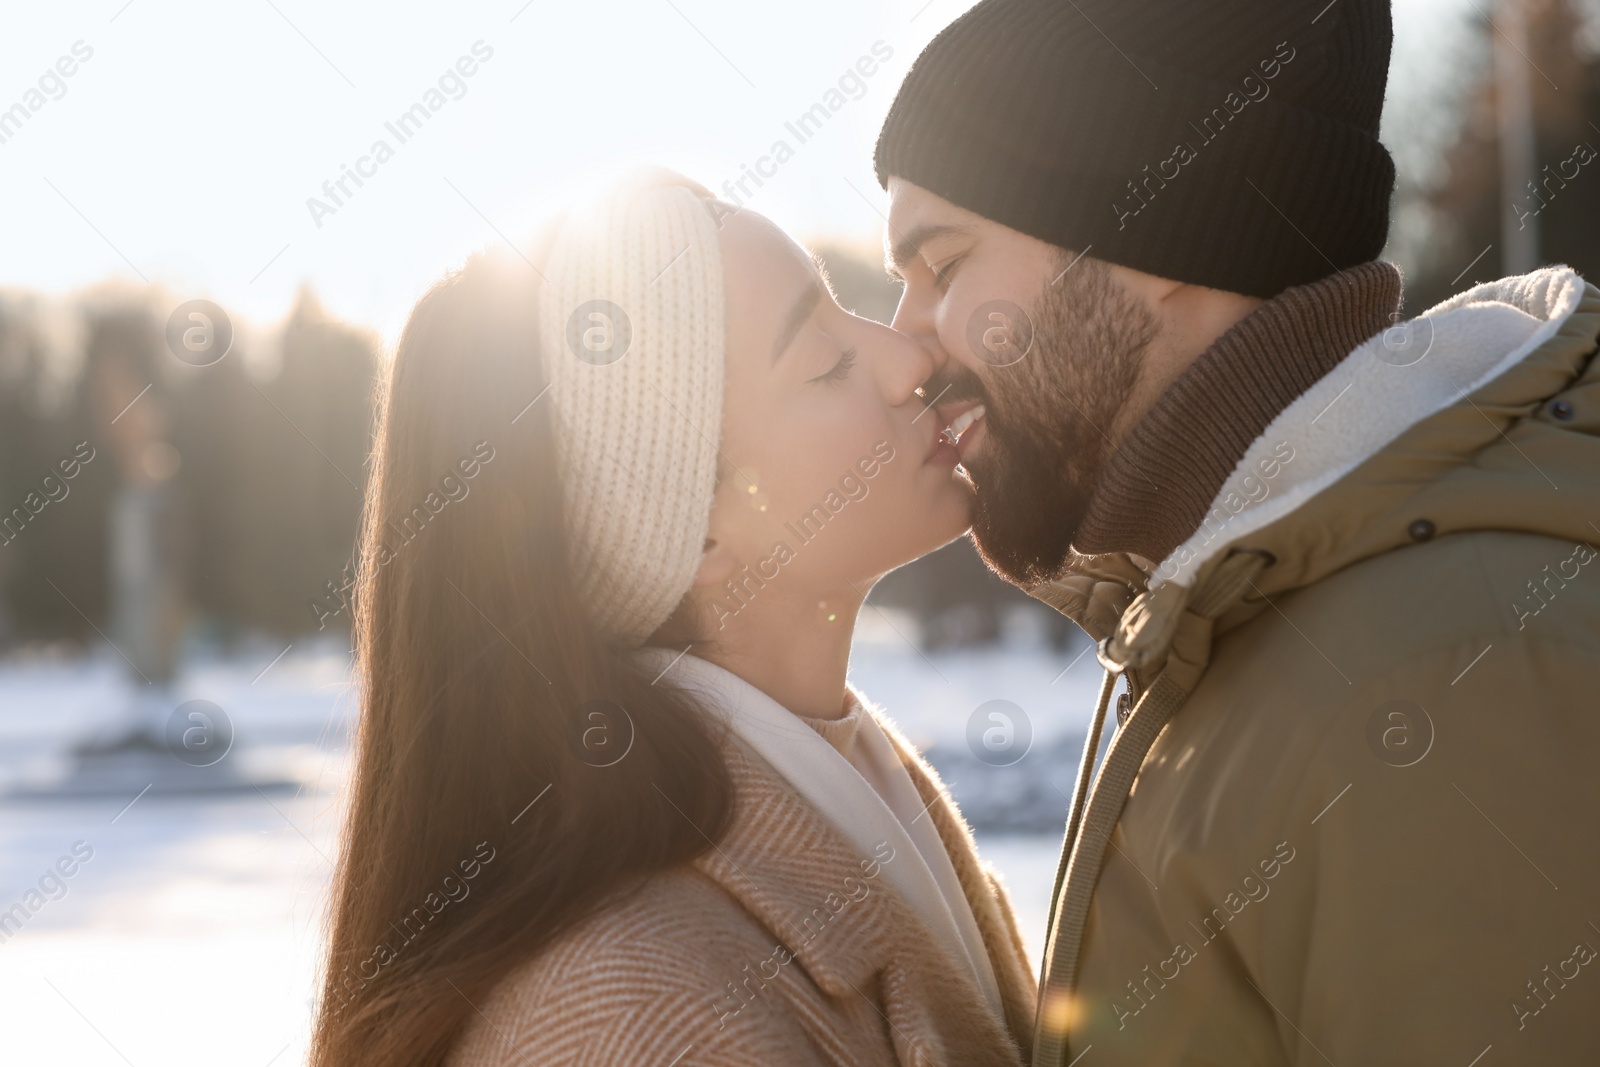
pixel 613 800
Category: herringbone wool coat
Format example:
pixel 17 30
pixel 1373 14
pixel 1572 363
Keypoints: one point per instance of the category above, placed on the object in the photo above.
pixel 783 945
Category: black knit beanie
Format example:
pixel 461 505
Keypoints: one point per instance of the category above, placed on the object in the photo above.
pixel 1227 144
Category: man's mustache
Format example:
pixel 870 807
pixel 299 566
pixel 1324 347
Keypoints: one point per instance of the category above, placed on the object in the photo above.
pixel 954 383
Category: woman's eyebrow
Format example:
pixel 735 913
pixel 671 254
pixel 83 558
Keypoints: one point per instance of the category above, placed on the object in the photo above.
pixel 799 312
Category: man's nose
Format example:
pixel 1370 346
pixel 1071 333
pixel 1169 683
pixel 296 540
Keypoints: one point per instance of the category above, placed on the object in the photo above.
pixel 914 318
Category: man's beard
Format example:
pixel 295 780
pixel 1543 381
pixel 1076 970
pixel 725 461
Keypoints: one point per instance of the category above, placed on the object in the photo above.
pixel 1049 417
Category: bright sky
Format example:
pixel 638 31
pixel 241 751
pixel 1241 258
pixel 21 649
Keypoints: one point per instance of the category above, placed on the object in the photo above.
pixel 185 147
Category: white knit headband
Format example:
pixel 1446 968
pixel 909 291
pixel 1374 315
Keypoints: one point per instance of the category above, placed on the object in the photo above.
pixel 632 344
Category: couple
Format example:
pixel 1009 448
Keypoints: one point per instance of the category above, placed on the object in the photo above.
pixel 614 800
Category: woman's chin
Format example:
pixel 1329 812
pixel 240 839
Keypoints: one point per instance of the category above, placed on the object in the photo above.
pixel 952 516
pixel 964 497
pixel 906 533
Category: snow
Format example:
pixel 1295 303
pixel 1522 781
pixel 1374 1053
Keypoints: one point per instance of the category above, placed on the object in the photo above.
pixel 191 934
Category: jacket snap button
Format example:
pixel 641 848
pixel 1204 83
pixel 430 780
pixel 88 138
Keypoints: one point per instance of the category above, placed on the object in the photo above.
pixel 1561 410
pixel 1421 530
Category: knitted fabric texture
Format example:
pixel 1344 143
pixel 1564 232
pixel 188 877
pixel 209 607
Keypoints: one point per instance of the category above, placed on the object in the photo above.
pixel 632 341
pixel 1229 144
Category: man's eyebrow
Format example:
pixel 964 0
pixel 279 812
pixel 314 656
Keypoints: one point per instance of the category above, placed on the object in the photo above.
pixel 909 246
pixel 798 314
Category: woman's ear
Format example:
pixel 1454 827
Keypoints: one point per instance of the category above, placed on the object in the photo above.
pixel 717 565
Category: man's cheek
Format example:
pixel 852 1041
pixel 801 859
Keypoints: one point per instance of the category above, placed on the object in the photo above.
pixel 952 339
pixel 956 317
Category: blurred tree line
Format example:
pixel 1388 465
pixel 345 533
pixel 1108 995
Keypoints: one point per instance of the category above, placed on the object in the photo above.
pixel 267 467
pixel 267 448
pixel 266 453
pixel 1460 204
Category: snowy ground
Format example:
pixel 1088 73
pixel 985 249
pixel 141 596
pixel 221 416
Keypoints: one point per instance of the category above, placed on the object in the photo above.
pixel 190 935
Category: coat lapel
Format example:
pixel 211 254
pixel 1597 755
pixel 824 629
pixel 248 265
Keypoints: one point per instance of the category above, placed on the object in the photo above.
pixel 830 908
pixel 983 890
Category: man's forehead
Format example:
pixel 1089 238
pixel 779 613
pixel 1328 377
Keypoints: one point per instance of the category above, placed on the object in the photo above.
pixel 915 204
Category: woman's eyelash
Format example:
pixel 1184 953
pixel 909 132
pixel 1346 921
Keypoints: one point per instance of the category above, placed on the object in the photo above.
pixel 841 369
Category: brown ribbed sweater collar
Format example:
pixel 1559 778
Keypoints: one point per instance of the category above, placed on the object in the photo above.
pixel 1170 467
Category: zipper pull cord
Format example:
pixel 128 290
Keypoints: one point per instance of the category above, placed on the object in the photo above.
pixel 1080 795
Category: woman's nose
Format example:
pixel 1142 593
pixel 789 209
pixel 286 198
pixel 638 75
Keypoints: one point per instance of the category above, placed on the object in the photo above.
pixel 902 364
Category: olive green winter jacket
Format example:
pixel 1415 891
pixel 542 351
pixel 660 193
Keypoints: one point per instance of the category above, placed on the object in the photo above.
pixel 1354 815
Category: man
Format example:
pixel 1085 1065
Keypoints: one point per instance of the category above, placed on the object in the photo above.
pixel 1344 564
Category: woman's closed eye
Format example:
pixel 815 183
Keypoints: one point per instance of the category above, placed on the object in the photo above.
pixel 840 370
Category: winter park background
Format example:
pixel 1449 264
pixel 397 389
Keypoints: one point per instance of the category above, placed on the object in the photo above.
pixel 175 163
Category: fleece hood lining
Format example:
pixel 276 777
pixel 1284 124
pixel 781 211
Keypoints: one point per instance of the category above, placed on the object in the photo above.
pixel 1372 396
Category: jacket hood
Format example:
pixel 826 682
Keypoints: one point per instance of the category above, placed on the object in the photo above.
pixel 1492 356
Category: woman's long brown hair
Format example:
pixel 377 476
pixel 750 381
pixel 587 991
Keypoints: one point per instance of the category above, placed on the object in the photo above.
pixel 483 818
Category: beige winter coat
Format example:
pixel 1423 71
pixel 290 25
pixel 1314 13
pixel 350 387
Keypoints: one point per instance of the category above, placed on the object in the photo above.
pixel 1354 815
pixel 780 946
